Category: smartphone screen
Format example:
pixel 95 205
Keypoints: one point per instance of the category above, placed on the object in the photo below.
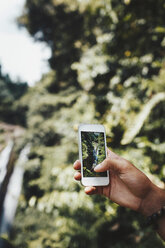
pixel 93 152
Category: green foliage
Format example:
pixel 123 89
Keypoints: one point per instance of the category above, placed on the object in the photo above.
pixel 107 67
pixel 10 92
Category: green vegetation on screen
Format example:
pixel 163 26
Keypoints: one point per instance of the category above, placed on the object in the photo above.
pixel 93 153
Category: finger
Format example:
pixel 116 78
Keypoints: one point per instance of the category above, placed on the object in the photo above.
pixel 115 163
pixel 90 190
pixel 77 165
pixel 77 176
pixel 105 165
pixel 112 154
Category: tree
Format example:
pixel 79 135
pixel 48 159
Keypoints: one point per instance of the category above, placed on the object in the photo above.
pixel 9 94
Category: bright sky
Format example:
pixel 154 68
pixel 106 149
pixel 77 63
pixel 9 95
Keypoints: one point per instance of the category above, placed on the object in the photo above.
pixel 20 56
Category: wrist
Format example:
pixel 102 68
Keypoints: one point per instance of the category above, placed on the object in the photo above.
pixel 153 202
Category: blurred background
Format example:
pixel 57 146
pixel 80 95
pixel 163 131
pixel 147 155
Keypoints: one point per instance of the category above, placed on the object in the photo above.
pixel 65 62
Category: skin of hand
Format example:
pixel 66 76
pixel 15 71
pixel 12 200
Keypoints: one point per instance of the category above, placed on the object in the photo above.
pixel 128 187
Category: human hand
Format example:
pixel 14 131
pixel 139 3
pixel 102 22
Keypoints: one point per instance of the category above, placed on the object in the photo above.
pixel 128 187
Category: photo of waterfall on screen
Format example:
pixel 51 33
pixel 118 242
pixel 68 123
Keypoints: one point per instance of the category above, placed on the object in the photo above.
pixel 93 153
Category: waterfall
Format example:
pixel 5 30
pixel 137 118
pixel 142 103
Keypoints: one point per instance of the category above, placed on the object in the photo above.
pixel 4 160
pixel 13 190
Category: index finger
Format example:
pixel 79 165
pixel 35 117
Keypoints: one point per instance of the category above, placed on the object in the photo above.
pixel 77 165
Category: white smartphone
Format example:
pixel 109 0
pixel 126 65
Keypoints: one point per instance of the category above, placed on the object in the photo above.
pixel 92 151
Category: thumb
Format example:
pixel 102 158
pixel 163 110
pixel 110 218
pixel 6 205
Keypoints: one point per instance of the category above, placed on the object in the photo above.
pixel 115 164
pixel 104 166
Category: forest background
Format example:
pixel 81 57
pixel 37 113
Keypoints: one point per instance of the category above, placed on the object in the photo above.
pixel 107 66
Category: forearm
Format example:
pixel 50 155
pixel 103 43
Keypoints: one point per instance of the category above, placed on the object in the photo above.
pixel 154 201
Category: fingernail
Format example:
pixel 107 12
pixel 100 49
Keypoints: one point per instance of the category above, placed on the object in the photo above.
pixel 75 162
pixel 97 167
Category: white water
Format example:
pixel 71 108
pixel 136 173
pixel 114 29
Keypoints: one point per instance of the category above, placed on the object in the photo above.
pixel 4 159
pixel 13 193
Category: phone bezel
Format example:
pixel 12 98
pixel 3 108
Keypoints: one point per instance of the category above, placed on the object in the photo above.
pixel 92 181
